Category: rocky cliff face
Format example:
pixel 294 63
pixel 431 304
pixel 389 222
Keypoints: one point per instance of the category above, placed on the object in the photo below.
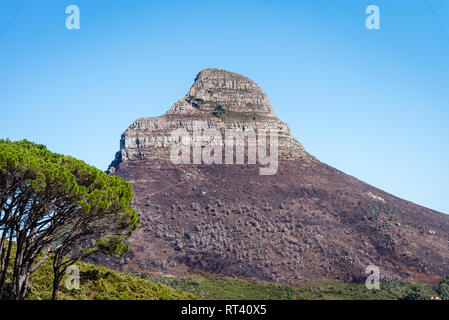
pixel 219 100
pixel 306 222
pixel 234 92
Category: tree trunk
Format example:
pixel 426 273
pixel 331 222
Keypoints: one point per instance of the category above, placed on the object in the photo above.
pixel 57 275
pixel 18 291
pixel 5 266
pixel 55 293
pixel 18 277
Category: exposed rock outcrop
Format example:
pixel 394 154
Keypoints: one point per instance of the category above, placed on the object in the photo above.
pixel 217 100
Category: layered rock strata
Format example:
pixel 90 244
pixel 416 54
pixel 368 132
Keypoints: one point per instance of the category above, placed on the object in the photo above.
pixel 219 100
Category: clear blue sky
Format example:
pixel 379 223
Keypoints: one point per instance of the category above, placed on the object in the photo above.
pixel 374 104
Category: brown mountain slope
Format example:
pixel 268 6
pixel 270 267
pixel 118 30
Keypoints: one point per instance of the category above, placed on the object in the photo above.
pixel 306 222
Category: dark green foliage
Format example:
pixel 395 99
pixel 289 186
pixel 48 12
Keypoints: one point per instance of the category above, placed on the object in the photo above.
pixel 218 111
pixel 443 288
pixel 419 292
pixel 60 204
pixel 113 245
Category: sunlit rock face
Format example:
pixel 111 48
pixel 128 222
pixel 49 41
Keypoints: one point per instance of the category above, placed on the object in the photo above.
pixel 234 92
pixel 218 99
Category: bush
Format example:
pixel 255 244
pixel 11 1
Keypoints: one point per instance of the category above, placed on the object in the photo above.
pixel 443 288
pixel 419 292
pixel 219 111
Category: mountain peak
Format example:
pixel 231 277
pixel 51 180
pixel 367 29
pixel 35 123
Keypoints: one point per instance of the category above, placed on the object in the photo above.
pixel 227 93
pixel 308 221
pixel 218 99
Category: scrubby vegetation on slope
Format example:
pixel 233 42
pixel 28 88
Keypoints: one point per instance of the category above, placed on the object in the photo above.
pixel 217 287
pixel 97 283
pixel 101 283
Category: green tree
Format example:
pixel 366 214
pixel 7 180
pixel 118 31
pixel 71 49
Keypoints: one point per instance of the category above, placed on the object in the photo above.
pixel 443 288
pixel 51 204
